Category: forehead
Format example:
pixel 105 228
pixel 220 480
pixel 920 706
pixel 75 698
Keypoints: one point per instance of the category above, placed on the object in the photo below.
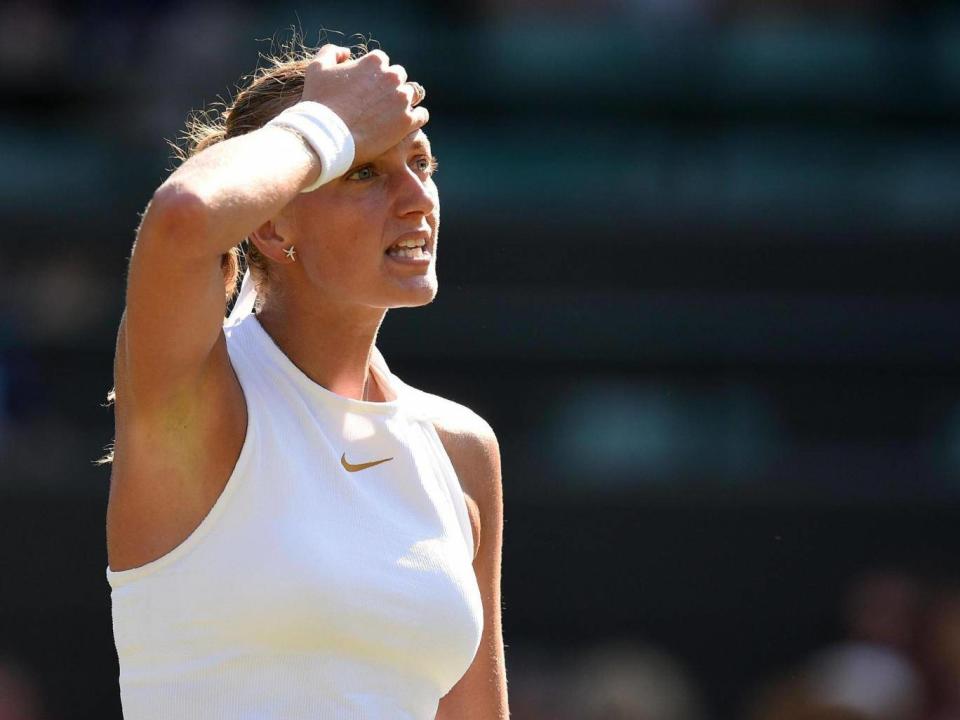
pixel 417 140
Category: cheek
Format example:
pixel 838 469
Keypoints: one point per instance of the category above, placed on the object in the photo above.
pixel 347 244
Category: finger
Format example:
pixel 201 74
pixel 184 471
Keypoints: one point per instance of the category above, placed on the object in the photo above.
pixel 400 71
pixel 379 56
pixel 417 93
pixel 330 54
pixel 419 116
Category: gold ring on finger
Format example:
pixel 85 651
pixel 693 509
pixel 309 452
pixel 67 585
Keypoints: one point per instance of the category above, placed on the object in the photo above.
pixel 419 93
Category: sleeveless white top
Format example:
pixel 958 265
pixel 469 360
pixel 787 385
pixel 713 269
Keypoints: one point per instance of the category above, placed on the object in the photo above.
pixel 309 591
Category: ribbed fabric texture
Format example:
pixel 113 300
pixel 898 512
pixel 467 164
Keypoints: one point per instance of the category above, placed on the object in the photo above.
pixel 309 591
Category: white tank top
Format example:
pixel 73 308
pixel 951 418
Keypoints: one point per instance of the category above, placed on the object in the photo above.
pixel 309 591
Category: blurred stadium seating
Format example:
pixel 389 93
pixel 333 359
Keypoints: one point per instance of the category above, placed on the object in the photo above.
pixel 698 270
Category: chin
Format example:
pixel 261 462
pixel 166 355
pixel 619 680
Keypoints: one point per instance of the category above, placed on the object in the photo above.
pixel 417 296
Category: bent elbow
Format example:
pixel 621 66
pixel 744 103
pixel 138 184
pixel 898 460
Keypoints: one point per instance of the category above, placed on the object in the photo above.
pixel 175 212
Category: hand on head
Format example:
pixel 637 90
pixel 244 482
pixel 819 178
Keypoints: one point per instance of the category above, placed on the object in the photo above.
pixel 373 97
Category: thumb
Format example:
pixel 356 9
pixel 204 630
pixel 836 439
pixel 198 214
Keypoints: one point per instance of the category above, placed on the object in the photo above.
pixel 330 54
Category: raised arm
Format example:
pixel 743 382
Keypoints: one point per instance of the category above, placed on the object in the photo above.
pixel 175 298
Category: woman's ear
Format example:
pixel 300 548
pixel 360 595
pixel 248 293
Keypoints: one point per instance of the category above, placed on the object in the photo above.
pixel 270 242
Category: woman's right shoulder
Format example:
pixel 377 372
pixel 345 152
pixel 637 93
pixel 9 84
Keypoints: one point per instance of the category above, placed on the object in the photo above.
pixel 171 463
pixel 211 408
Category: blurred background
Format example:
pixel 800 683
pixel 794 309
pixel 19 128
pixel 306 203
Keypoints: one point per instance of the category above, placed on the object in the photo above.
pixel 699 272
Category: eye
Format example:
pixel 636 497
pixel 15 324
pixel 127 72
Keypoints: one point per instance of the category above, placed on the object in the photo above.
pixel 426 164
pixel 361 173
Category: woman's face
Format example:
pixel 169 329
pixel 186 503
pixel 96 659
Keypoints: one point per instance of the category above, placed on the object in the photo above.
pixel 347 230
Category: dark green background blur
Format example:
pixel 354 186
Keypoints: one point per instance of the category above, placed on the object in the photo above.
pixel 698 270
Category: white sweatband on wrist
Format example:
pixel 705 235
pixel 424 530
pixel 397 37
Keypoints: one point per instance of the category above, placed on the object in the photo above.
pixel 325 132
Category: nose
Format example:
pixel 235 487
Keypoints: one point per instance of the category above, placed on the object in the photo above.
pixel 414 195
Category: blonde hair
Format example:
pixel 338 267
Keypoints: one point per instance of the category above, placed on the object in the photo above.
pixel 265 93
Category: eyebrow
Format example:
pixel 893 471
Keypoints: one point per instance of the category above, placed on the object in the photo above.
pixel 421 146
pixel 418 145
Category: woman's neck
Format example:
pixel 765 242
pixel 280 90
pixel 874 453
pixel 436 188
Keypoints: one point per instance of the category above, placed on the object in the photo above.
pixel 331 343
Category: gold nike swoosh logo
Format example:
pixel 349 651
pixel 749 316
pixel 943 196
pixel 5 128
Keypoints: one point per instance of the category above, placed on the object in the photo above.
pixel 349 467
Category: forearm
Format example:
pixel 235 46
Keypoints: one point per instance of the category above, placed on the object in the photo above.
pixel 236 185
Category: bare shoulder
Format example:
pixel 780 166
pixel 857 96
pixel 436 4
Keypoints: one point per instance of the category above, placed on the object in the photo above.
pixel 465 428
pixel 468 439
pixel 171 462
pixel 474 451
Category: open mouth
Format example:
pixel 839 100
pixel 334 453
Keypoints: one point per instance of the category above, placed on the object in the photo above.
pixel 410 248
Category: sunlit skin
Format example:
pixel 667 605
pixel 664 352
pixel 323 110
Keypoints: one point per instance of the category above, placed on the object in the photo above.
pixel 325 307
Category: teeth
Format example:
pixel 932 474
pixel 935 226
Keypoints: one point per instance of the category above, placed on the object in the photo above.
pixel 412 243
pixel 416 252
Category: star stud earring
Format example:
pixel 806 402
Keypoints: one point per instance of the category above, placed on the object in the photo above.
pixel 290 253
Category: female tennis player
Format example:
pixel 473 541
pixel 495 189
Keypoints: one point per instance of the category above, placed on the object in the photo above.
pixel 293 532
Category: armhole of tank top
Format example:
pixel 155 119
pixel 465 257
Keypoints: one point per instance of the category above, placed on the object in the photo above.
pixel 454 487
pixel 123 577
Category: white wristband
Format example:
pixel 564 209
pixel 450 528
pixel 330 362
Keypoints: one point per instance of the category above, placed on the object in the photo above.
pixel 326 133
